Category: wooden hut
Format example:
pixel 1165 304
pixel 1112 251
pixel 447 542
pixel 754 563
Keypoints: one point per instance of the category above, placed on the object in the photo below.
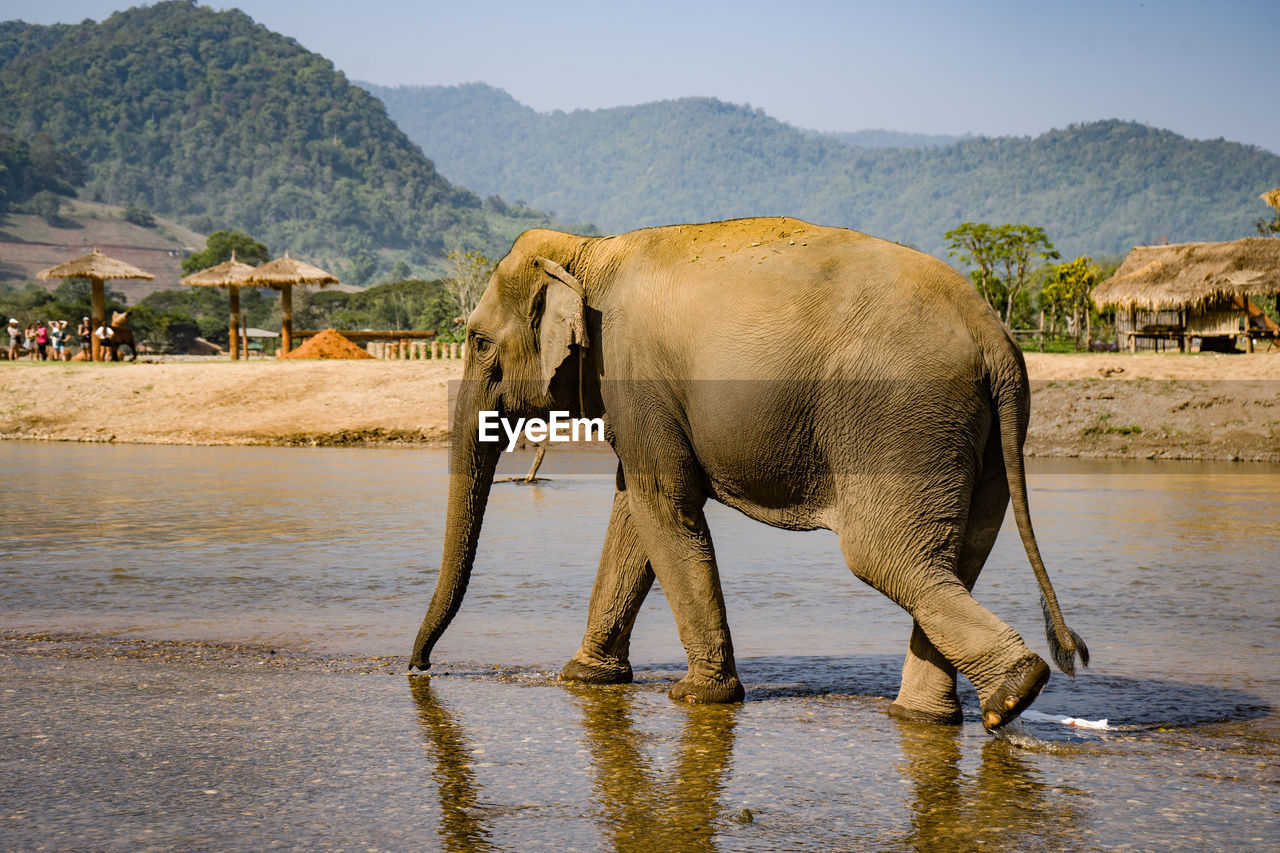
pixel 1178 294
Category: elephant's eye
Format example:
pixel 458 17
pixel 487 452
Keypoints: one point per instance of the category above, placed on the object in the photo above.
pixel 480 344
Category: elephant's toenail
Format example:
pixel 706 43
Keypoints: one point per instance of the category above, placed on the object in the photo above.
pixel 1010 703
pixel 991 719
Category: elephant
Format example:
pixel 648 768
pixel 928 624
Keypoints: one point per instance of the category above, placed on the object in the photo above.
pixel 807 376
pixel 119 334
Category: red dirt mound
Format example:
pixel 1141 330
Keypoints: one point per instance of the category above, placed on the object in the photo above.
pixel 328 344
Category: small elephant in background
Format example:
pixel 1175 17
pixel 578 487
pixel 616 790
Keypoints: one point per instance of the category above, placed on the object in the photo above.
pixel 119 334
pixel 808 377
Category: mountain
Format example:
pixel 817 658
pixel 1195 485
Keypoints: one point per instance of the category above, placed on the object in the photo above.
pixel 211 119
pixel 880 138
pixel 1097 188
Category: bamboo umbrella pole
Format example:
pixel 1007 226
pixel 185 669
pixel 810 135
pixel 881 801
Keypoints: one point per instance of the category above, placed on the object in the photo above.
pixel 99 318
pixel 286 318
pixel 234 331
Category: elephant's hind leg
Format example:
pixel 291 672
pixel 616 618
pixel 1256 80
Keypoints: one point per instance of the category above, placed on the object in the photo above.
pixel 928 689
pixel 914 561
pixel 622 582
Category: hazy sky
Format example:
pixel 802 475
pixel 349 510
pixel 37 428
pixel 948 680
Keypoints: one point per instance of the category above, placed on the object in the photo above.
pixel 1203 69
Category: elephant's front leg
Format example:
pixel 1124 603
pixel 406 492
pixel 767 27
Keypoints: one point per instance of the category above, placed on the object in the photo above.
pixel 622 582
pixel 669 521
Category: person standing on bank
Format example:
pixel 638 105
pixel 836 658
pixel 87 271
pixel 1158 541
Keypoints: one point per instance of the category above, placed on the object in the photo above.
pixel 83 332
pixel 15 339
pixel 42 341
pixel 58 339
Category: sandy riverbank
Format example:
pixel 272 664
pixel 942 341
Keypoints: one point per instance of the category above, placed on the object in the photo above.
pixel 1119 405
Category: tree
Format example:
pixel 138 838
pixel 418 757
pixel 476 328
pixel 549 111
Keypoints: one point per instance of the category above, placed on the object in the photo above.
pixel 976 243
pixel 1015 248
pixel 47 205
pixel 989 247
pixel 468 275
pixel 1068 290
pixel 220 245
pixel 1270 227
pixel 139 215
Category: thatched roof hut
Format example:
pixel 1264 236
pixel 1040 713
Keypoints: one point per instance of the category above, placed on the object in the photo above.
pixel 98 268
pixel 228 274
pixel 283 274
pixel 1202 288
pixel 1193 275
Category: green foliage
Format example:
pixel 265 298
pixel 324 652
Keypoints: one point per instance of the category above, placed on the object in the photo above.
pixel 219 247
pixel 1017 247
pixel 1099 188
pixel 409 304
pixel 1067 292
pixel 991 248
pixel 70 301
pixel 47 205
pixel 35 169
pixel 139 215
pixel 174 318
pixel 207 117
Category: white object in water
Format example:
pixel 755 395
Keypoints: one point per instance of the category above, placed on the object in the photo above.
pixel 1037 717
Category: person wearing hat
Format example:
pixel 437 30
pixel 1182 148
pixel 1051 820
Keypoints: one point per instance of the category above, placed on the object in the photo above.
pixel 15 339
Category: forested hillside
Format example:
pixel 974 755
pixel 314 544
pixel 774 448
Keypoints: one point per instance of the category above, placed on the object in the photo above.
pixel 1097 188
pixel 213 120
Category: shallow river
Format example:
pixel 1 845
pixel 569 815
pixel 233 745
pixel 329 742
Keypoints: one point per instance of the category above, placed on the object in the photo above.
pixel 327 558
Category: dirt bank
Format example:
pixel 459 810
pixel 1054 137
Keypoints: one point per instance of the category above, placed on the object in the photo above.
pixel 1120 405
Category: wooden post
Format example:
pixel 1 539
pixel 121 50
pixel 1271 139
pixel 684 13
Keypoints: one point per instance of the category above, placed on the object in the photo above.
pixel 286 318
pixel 537 463
pixel 453 350
pixel 435 349
pixel 97 318
pixel 233 333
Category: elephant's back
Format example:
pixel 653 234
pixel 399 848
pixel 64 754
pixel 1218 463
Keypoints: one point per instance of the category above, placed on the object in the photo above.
pixel 787 299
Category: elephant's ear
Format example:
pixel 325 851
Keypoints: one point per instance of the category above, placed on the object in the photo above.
pixel 561 325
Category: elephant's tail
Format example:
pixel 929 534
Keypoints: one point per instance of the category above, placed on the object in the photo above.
pixel 1013 409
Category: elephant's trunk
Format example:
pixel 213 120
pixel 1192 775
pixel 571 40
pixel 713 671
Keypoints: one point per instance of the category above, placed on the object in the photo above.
pixel 471 467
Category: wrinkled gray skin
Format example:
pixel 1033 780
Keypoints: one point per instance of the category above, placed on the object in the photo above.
pixel 809 377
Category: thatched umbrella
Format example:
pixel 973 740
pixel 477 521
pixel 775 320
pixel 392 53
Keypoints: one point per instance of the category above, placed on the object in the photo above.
pixel 228 274
pixel 283 274
pixel 98 268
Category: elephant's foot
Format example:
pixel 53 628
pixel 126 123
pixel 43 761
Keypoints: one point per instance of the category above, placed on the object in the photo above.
pixel 934 716
pixel 1020 687
pixel 589 670
pixel 699 690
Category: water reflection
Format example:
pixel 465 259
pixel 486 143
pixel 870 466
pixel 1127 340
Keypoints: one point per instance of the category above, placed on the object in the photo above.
pixel 643 809
pixel 460 826
pixel 1003 806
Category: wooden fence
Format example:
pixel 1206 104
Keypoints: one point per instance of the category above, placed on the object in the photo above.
pixel 410 345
